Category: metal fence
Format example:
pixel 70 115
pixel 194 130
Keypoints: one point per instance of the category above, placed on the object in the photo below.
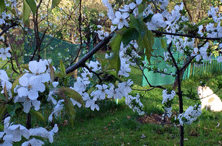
pixel 158 62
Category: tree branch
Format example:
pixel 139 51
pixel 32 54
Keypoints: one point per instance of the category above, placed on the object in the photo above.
pixel 185 35
pixel 82 61
pixel 6 28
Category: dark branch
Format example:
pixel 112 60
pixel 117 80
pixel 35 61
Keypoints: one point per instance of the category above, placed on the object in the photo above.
pixel 82 61
pixel 6 28
pixel 97 74
pixel 171 55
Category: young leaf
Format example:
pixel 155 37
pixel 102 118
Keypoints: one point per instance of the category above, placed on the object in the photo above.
pixel 62 68
pixel 55 3
pixel 25 66
pixel 163 43
pixel 68 104
pixel 72 94
pixel 38 115
pixel 115 45
pixel 114 63
pixel 70 110
pixel 1 127
pixel 11 10
pixel 32 5
pixel 2 6
pixel 5 92
pixel 52 72
pixel 2 111
pixel 26 12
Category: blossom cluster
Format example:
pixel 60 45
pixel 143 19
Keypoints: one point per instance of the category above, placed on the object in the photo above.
pixel 167 99
pixel 103 91
pixel 134 103
pixel 34 80
pixel 190 115
pixel 13 133
pixel 4 53
pixel 31 83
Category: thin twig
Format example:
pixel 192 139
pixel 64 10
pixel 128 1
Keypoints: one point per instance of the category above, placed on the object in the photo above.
pixel 97 74
pixel 171 55
pixel 185 35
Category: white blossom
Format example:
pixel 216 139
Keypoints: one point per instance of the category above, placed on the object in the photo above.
pixel 33 142
pixel 4 53
pixel 120 19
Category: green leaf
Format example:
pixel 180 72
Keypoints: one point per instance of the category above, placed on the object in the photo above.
pixel 72 94
pixel 121 31
pixel 59 75
pixel 114 63
pixel 38 115
pixel 11 10
pixel 12 108
pixel 26 12
pixel 141 8
pixel 25 66
pixel 115 45
pixel 163 43
pixel 148 41
pixel 146 38
pixel 2 6
pixel 62 68
pixel 68 103
pixel 135 23
pixel 1 127
pixel 147 18
pixel 55 3
pixel 70 110
pixel 32 5
pixel 2 111
pixel 129 35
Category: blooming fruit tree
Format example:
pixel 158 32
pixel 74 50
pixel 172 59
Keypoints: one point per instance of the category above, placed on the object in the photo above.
pixel 134 26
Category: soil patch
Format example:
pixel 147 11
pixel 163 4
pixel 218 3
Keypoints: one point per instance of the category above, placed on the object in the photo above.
pixel 154 119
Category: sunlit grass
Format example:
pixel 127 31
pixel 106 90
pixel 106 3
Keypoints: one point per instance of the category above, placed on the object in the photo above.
pixel 116 124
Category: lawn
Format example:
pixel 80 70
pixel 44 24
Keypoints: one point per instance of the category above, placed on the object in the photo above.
pixel 116 124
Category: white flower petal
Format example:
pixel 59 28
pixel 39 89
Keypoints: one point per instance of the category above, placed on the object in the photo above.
pixel 36 104
pixel 22 91
pixel 132 5
pixel 26 106
pixel 24 81
pixel 33 94
pixel 125 15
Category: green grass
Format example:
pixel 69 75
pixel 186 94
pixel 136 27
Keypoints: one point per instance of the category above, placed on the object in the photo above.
pixel 118 125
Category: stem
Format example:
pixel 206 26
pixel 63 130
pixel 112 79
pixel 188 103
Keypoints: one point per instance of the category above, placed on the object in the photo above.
pixel 28 121
pixel 178 79
pixel 180 106
pixel 184 35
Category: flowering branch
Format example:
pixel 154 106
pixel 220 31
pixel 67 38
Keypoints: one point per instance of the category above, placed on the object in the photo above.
pixel 97 74
pixel 82 61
